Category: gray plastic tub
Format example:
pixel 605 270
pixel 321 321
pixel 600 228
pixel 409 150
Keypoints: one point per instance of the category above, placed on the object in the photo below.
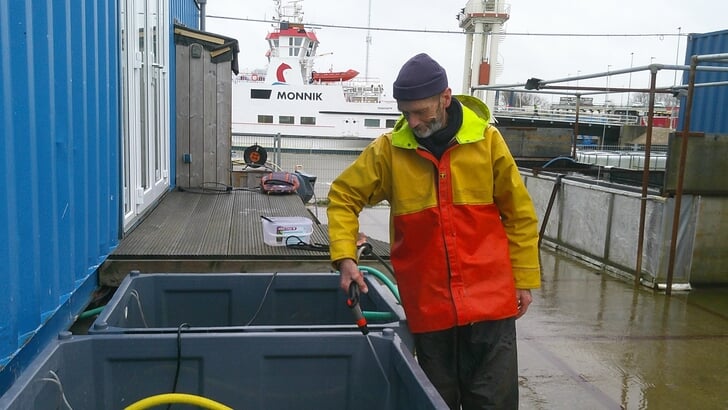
pixel 294 370
pixel 161 302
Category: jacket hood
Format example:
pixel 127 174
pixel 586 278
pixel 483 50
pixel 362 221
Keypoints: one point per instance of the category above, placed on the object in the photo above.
pixel 476 118
pixel 476 105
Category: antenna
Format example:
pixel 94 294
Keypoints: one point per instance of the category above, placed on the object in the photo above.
pixel 293 10
pixel 369 42
pixel 277 4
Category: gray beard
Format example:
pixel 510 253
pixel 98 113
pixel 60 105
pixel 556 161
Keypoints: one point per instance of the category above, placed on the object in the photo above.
pixel 436 126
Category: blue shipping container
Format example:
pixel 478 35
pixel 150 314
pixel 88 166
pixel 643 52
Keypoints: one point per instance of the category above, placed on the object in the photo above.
pixel 59 88
pixel 709 103
pixel 60 137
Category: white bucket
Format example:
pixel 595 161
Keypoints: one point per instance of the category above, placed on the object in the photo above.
pixel 286 230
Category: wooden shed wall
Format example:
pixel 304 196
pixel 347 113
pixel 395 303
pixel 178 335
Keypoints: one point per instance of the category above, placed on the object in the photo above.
pixel 204 95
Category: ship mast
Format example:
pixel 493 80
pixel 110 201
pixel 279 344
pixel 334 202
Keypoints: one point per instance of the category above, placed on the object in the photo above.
pixel 292 11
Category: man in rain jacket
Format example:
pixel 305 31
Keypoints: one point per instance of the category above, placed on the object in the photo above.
pixel 463 234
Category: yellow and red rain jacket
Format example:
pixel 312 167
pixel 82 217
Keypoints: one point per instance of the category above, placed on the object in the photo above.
pixel 463 229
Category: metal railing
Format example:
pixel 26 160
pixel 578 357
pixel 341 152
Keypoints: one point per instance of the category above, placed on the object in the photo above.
pixel 622 148
pixel 624 160
pixel 491 6
pixel 326 158
pixel 322 157
pixel 585 116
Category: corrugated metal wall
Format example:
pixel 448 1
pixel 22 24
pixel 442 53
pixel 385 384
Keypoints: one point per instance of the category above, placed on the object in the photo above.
pixel 184 12
pixel 709 103
pixel 59 148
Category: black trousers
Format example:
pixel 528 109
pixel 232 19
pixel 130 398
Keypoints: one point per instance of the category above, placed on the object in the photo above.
pixel 473 366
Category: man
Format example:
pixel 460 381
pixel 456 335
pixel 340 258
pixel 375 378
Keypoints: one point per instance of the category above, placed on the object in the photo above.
pixel 463 234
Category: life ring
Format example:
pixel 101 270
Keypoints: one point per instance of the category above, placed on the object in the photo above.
pixel 254 77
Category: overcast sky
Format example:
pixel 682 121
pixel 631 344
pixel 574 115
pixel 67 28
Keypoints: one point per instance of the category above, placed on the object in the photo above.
pixel 521 56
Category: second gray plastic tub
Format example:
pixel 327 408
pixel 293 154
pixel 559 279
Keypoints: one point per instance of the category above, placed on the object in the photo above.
pixel 162 302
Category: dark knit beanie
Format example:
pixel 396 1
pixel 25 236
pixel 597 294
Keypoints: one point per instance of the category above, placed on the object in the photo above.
pixel 420 77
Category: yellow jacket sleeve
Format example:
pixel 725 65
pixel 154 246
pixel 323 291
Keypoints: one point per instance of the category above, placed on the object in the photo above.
pixel 517 213
pixel 364 182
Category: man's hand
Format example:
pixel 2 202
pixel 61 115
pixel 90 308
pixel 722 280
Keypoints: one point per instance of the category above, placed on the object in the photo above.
pixel 350 272
pixel 523 297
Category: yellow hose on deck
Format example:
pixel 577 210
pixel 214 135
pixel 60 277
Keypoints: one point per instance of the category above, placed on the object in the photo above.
pixel 167 398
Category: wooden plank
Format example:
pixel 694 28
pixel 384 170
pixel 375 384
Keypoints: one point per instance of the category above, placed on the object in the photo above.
pixel 191 243
pixel 224 123
pixel 241 215
pixel 197 69
pixel 182 138
pixel 161 229
pixel 216 235
pixel 181 209
pixel 209 98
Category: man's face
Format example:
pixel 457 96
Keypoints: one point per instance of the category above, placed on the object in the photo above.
pixel 426 116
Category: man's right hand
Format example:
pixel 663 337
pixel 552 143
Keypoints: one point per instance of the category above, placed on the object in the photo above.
pixel 349 271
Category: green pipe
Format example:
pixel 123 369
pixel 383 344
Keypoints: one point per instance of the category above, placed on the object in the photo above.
pixel 369 315
pixel 91 312
pixel 388 282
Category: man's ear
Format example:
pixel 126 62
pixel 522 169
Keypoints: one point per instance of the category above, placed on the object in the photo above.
pixel 446 97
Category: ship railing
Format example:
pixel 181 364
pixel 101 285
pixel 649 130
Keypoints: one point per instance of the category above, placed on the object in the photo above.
pixel 363 92
pixel 489 6
pixel 567 116
pixel 638 148
pixel 249 77
pixel 634 160
pixel 364 84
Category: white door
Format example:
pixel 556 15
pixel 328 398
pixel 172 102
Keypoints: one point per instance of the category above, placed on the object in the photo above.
pixel 145 105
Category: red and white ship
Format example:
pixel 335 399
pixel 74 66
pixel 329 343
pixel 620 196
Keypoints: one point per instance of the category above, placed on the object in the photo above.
pixel 290 98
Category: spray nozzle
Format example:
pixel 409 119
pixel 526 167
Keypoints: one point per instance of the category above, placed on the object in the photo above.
pixel 353 302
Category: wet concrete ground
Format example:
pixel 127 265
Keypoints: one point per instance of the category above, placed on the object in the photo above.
pixel 591 341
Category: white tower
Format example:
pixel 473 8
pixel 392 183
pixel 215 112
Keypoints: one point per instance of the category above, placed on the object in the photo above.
pixel 482 21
